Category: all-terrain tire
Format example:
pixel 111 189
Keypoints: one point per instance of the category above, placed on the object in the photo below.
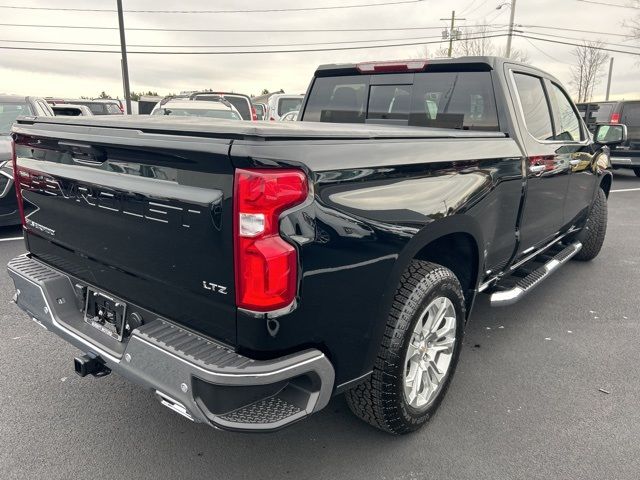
pixel 381 400
pixel 593 233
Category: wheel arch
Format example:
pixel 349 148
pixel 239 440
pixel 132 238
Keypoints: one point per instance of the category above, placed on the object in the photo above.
pixel 605 183
pixel 459 253
pixel 439 241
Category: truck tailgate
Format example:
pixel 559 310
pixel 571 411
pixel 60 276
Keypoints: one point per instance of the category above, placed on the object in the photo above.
pixel 144 217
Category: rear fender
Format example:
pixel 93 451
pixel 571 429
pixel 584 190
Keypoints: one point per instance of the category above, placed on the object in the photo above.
pixel 428 234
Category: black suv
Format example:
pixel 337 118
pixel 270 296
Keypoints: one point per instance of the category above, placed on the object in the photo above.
pixel 626 155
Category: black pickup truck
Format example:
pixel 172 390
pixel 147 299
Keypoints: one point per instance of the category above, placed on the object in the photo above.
pixel 245 273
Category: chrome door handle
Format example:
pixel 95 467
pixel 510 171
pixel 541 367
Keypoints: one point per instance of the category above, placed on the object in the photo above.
pixel 574 162
pixel 537 168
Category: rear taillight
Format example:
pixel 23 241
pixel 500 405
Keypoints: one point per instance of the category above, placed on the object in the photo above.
pixel 254 115
pixel 266 266
pixel 17 183
pixel 615 118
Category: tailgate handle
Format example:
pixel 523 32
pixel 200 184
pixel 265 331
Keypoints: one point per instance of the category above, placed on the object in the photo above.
pixel 84 154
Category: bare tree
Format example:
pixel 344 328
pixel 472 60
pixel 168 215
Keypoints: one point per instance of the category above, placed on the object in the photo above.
pixel 587 72
pixel 633 24
pixel 474 43
pixel 516 54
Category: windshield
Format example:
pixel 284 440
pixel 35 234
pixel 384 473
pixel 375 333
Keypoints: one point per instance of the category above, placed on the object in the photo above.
pixel 97 108
pixel 198 112
pixel 9 112
pixel 240 103
pixel 286 105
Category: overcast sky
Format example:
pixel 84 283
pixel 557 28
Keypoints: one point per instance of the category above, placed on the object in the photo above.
pixel 75 74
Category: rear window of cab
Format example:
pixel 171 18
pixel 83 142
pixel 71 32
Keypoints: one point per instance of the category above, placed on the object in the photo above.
pixel 459 100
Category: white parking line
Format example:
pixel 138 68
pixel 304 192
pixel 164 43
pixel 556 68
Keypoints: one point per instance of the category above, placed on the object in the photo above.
pixel 627 190
pixel 10 239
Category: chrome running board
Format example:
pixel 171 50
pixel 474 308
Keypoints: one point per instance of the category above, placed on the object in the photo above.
pixel 535 278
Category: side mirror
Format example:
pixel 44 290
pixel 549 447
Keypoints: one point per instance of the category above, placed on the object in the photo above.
pixel 610 134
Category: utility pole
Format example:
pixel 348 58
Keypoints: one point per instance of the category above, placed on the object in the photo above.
pixel 125 65
pixel 511 19
pixel 609 79
pixel 452 34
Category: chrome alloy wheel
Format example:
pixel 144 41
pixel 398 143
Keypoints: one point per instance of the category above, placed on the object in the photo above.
pixel 429 353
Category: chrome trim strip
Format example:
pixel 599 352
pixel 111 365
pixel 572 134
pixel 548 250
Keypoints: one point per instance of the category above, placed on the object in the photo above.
pixel 271 314
pixel 172 404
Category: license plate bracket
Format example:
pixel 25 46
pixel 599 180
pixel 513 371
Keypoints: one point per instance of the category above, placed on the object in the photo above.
pixel 105 313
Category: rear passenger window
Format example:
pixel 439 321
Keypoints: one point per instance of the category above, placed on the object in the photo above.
pixel 567 123
pixel 534 106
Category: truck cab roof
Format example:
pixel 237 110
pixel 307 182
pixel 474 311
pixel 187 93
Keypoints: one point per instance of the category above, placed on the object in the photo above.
pixel 472 63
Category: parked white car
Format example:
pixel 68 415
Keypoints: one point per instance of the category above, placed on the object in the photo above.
pixel 191 108
pixel 280 104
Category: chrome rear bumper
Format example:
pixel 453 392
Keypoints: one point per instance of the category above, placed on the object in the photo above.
pixel 190 374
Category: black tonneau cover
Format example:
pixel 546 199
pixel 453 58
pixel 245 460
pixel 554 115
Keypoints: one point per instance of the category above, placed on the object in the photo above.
pixel 216 128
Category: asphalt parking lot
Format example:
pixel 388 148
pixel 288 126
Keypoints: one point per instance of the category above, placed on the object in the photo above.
pixel 545 389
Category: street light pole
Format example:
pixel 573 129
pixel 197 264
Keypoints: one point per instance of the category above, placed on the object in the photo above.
pixel 609 79
pixel 511 20
pixel 453 20
pixel 125 65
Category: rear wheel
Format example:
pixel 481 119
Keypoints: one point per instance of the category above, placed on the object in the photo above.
pixel 593 233
pixel 637 172
pixel 419 352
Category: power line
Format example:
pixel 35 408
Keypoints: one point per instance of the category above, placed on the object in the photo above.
pixel 258 10
pixel 478 7
pixel 306 30
pixel 540 50
pixel 578 45
pixel 610 4
pixel 218 30
pixel 49 42
pixel 545 27
pixel 499 13
pixel 467 7
pixel 238 52
pixel 578 39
